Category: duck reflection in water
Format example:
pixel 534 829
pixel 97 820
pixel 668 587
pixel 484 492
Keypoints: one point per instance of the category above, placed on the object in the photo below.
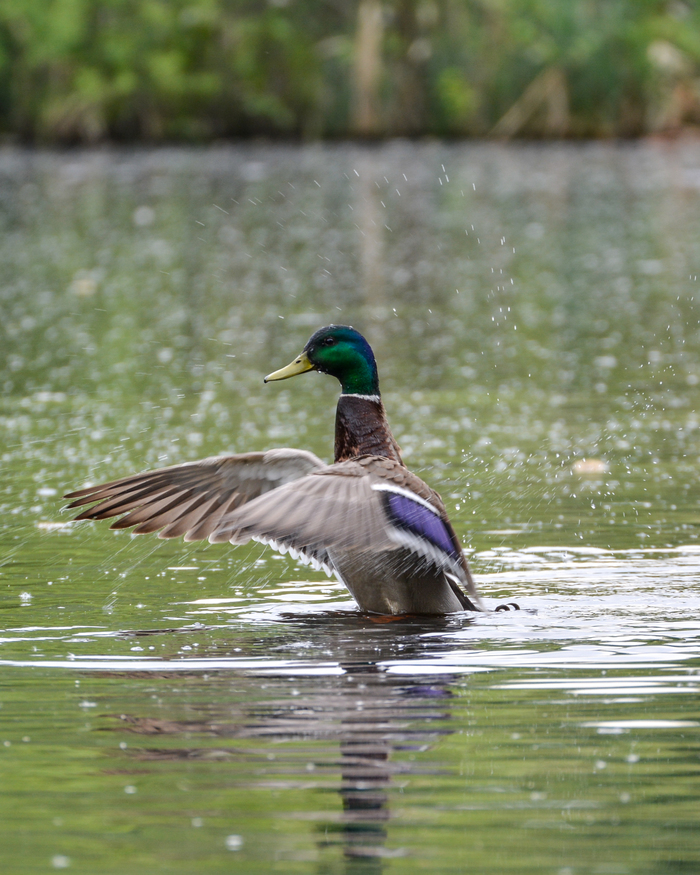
pixel 373 715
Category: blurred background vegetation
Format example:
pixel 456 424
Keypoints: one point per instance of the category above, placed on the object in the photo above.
pixel 84 71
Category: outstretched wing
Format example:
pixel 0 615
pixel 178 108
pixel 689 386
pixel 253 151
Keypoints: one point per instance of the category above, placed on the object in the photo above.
pixel 290 500
pixel 332 508
pixel 366 506
pixel 192 499
pixel 351 506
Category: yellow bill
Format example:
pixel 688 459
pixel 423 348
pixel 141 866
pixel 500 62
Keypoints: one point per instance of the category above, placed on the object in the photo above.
pixel 300 365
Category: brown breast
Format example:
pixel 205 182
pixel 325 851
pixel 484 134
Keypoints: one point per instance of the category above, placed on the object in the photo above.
pixel 361 429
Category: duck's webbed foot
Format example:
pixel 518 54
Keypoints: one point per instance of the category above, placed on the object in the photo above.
pixel 510 606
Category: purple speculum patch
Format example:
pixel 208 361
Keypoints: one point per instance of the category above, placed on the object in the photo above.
pixel 407 514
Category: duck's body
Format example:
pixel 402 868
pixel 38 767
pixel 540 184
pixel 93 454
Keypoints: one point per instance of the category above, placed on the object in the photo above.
pixel 367 519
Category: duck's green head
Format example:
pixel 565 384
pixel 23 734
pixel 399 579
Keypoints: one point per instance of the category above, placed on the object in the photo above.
pixel 343 353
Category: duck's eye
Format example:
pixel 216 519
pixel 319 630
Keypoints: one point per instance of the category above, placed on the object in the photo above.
pixel 328 341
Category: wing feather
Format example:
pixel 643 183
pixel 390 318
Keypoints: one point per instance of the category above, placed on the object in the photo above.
pixel 124 500
pixel 190 499
pixel 333 509
pixel 188 520
pixel 156 507
pixel 175 516
pixel 206 524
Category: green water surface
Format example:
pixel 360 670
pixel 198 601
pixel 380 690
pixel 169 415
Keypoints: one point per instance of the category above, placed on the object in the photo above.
pixel 195 708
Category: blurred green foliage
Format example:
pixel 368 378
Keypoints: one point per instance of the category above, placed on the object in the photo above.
pixel 88 70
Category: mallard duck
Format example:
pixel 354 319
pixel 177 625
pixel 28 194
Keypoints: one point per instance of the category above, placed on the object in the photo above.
pixel 366 518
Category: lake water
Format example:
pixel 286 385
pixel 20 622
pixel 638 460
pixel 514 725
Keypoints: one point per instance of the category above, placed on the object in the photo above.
pixel 171 707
